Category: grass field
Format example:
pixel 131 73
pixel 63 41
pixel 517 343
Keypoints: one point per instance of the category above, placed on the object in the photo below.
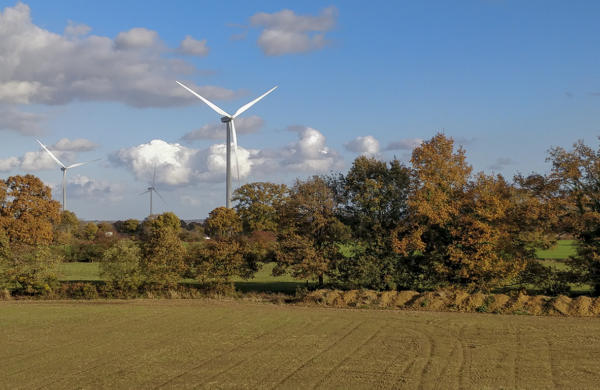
pixel 562 250
pixel 218 344
pixel 262 281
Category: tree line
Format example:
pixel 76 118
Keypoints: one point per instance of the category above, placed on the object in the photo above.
pixel 427 224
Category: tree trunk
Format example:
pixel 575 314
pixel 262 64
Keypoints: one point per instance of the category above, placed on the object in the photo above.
pixel 320 280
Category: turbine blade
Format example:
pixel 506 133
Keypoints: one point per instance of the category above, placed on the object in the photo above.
pixel 235 151
pixel 82 163
pixel 208 102
pixel 253 102
pixel 51 154
pixel 160 196
pixel 145 192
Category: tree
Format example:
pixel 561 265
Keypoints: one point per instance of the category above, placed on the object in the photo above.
pixel 219 261
pixel 30 269
pixel 578 174
pixel 372 199
pixel 259 205
pixel 131 225
pixel 89 231
pixel 462 230
pixel 309 226
pixel 121 266
pixel 163 252
pixel 27 211
pixel 222 223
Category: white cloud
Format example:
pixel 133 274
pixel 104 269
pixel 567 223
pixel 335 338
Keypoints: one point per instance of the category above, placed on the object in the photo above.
pixel 245 125
pixel 76 145
pixel 404 144
pixel 76 29
pixel 285 32
pixel 40 160
pixel 26 123
pixel 368 146
pixel 8 164
pixel 98 190
pixel 39 66
pixel 178 165
pixel 309 153
pixel 136 38
pixel 193 47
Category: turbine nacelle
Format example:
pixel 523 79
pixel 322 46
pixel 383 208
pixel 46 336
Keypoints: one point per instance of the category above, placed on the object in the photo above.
pixel 226 119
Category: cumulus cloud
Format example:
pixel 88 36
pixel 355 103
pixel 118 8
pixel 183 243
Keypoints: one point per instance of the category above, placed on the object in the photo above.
pixel 76 29
pixel 76 145
pixel 501 162
pixel 245 125
pixel 193 47
pixel 367 146
pixel 308 154
pixel 178 165
pixel 39 66
pixel 8 164
pixel 26 123
pixel 285 32
pixel 40 160
pixel 136 38
pixel 404 144
pixel 99 190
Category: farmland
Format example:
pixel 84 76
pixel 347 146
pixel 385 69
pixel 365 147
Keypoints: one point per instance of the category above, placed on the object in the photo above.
pixel 219 344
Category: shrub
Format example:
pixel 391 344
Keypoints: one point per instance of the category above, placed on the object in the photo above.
pixel 120 266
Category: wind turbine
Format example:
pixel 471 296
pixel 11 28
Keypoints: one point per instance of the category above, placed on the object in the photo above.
pixel 231 135
pixel 64 169
pixel 152 189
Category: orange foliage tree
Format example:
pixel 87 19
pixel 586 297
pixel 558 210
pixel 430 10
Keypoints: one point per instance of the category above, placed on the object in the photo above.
pixel 464 230
pixel 27 211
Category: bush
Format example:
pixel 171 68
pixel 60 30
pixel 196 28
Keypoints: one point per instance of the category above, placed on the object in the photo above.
pixel 121 267
pixel 30 270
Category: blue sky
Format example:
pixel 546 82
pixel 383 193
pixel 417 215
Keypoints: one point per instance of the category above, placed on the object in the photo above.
pixel 507 79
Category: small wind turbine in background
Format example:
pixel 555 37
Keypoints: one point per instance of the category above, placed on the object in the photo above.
pixel 64 169
pixel 231 135
pixel 152 189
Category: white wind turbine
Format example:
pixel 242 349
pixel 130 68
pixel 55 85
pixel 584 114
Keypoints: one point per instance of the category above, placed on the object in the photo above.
pixel 152 189
pixel 63 168
pixel 231 135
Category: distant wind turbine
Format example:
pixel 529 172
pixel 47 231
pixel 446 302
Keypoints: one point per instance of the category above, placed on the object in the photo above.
pixel 152 189
pixel 64 168
pixel 231 135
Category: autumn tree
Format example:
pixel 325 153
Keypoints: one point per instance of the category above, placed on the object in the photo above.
pixel 463 230
pixel 372 197
pixel 223 223
pixel 219 261
pixel 310 231
pixel 27 211
pixel 163 253
pixel 578 173
pixel 259 204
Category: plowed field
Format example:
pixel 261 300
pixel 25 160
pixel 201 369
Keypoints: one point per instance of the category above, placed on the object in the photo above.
pixel 215 344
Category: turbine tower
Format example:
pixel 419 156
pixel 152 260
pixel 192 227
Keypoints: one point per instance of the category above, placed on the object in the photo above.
pixel 152 189
pixel 64 169
pixel 231 135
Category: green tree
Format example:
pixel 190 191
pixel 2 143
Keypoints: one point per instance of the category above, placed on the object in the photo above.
pixel 30 270
pixel 131 225
pixel 259 205
pixel 121 266
pixel 223 223
pixel 372 199
pixel 309 224
pixel 89 231
pixel 219 261
pixel 163 253
pixel 578 174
